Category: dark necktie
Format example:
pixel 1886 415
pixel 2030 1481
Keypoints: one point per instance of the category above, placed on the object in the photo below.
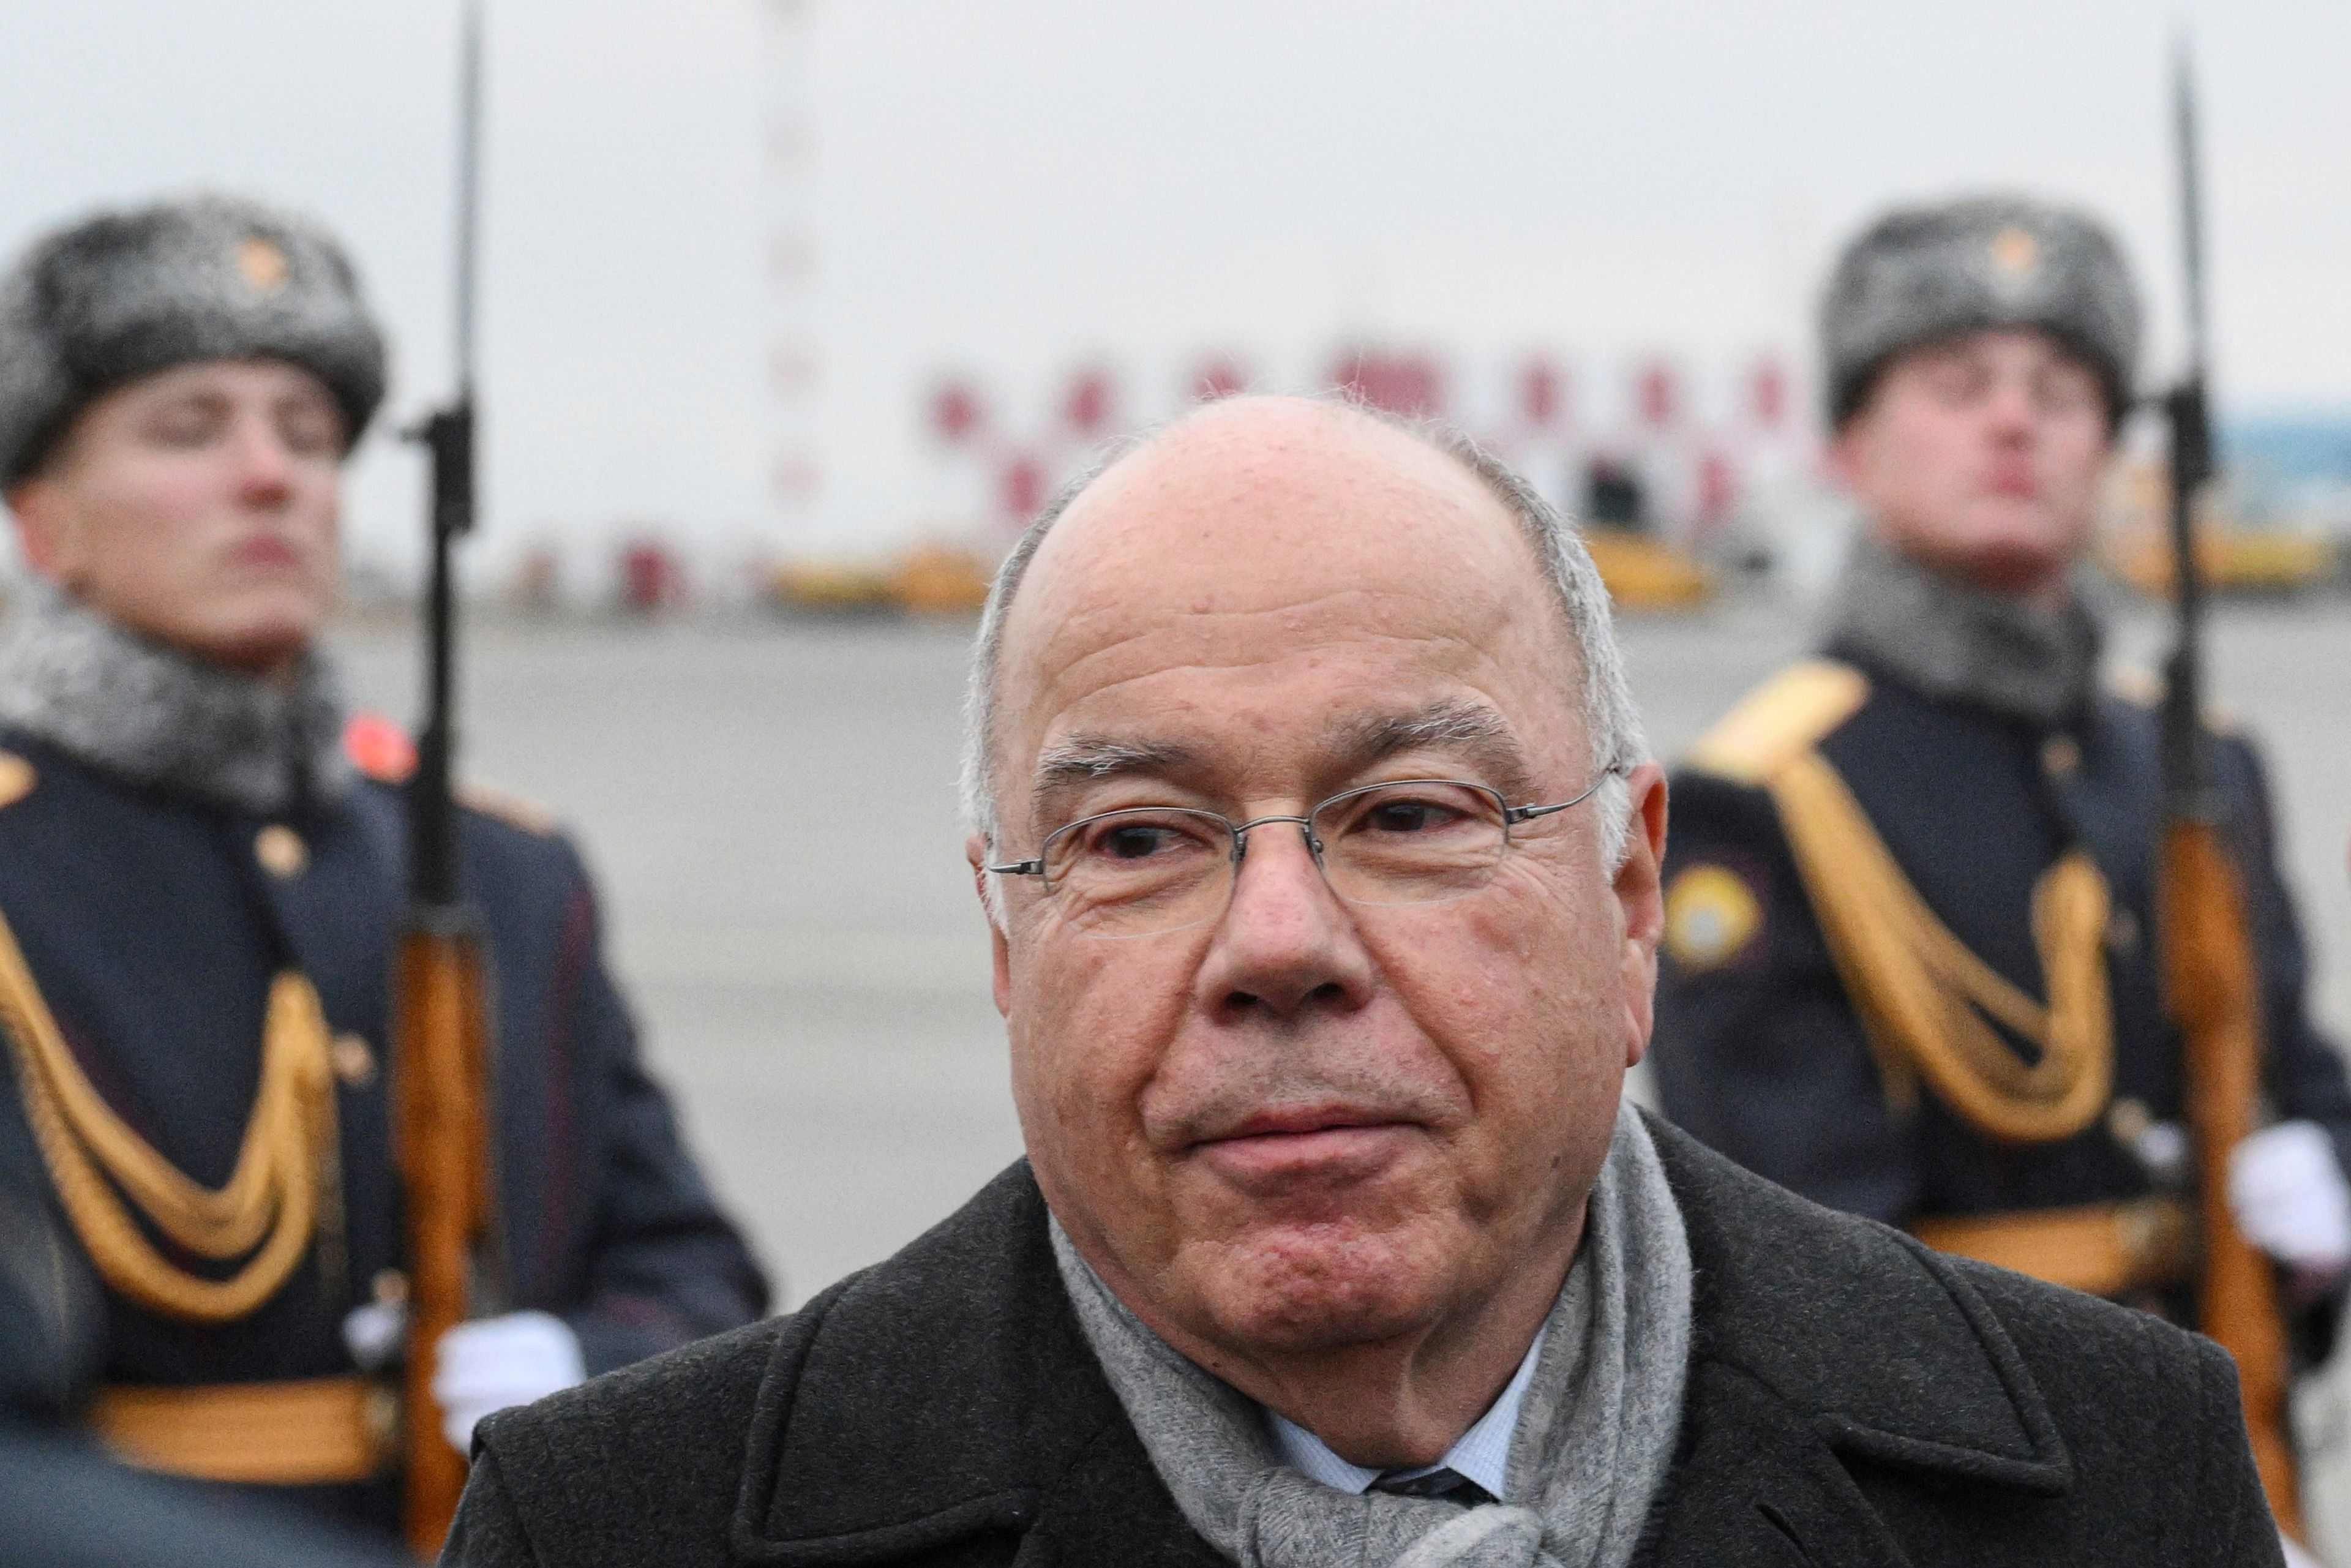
pixel 1439 1484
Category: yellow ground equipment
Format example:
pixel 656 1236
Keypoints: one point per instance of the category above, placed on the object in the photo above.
pixel 2231 557
pixel 1643 573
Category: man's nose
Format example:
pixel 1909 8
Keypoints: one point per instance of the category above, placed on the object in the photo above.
pixel 265 463
pixel 2013 411
pixel 1286 945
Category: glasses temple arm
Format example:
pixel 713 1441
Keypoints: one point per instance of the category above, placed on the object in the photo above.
pixel 1529 813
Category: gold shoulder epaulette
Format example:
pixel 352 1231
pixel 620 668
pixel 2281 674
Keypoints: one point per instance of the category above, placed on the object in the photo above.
pixel 511 810
pixel 1779 720
pixel 18 778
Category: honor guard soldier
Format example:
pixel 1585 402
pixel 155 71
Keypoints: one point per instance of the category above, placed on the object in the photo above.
pixel 1910 963
pixel 201 872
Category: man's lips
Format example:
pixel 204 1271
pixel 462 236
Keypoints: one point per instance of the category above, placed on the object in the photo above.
pixel 1278 1149
pixel 265 552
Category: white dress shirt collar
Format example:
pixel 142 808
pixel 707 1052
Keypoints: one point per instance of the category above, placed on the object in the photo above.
pixel 1482 1454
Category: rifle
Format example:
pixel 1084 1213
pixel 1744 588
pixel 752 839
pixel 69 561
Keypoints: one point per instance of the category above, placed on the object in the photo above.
pixel 2211 981
pixel 440 1040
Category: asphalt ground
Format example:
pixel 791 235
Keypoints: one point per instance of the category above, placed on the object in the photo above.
pixel 769 807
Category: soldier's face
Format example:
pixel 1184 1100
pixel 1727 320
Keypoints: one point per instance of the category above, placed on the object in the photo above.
pixel 1983 458
pixel 1305 1125
pixel 199 505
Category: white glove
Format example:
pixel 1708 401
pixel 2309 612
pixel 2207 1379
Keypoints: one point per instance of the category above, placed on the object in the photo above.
pixel 484 1366
pixel 2287 1190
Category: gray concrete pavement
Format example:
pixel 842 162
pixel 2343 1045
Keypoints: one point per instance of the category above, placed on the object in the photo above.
pixel 771 807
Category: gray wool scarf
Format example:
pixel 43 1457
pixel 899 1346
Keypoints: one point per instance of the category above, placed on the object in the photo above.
pixel 1594 1438
pixel 1963 644
pixel 159 718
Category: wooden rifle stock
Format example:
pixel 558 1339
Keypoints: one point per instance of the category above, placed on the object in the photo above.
pixel 441 1138
pixel 2211 984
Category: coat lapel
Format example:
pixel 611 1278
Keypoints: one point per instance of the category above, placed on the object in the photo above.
pixel 1829 1355
pixel 1757 1487
pixel 944 1407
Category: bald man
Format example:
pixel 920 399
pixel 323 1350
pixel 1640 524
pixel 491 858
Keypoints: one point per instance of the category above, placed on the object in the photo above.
pixel 1321 850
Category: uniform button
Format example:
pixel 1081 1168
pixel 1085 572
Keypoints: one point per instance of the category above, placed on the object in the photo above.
pixel 2061 756
pixel 281 851
pixel 2122 934
pixel 354 1062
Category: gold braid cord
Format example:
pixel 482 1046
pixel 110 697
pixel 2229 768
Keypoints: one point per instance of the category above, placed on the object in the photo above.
pixel 287 1164
pixel 1924 998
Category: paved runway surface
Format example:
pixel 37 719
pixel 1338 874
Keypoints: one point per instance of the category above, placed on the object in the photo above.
pixel 770 808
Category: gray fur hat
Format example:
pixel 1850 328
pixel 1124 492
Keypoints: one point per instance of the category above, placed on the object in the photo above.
pixel 122 295
pixel 1921 274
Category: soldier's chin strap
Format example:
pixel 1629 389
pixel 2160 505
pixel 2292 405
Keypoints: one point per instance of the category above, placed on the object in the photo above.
pixel 287 1169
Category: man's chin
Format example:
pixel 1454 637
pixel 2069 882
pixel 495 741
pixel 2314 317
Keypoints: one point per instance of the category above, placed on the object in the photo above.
pixel 1324 1288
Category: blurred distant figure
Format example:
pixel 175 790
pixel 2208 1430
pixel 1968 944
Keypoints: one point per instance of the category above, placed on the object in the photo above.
pixel 201 868
pixel 1909 960
pixel 1612 496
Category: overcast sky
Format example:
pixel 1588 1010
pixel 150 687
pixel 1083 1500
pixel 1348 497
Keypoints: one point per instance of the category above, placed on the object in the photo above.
pixel 1006 190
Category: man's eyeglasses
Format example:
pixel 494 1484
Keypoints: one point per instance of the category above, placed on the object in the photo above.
pixel 1151 869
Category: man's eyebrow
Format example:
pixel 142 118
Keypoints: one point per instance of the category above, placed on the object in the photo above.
pixel 1089 758
pixel 1468 729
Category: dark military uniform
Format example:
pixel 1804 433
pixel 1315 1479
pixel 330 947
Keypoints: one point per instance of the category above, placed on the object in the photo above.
pixel 153 925
pixel 1909 966
pixel 199 901
pixel 1759 1050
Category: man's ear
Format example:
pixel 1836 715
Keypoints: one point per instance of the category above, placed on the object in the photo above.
pixel 1841 457
pixel 975 854
pixel 1640 897
pixel 41 528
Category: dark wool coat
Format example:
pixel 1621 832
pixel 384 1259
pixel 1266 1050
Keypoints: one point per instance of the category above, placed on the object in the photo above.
pixel 1853 1399
pixel 152 929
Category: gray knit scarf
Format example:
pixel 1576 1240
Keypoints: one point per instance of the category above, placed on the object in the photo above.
pixel 1952 641
pixel 1596 1434
pixel 143 712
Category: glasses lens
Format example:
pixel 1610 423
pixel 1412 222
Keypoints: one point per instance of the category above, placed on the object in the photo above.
pixel 1414 842
pixel 1129 873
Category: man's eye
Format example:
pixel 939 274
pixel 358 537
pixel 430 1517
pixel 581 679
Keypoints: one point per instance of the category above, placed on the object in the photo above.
pixel 2067 393
pixel 1409 816
pixel 1127 840
pixel 1132 843
pixel 183 427
pixel 311 433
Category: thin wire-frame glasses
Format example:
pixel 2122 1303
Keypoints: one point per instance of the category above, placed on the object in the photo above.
pixel 1151 869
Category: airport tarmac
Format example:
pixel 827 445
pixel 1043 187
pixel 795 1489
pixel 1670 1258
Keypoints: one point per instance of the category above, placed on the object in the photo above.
pixel 769 805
